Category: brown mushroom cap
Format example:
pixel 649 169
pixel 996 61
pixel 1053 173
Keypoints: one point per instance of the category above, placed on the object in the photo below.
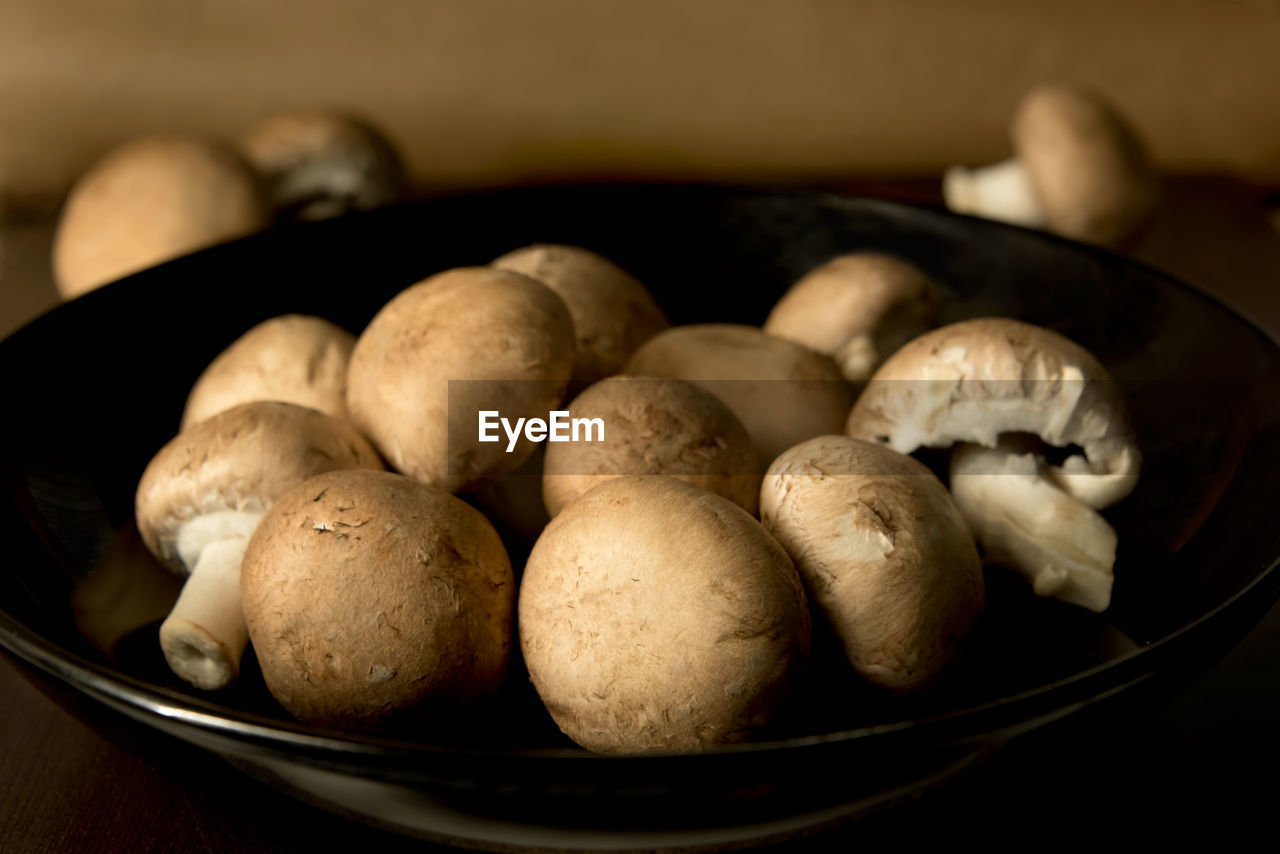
pixel 1090 171
pixel 654 427
pixel 462 341
pixel 512 501
pixel 375 602
pixel 242 459
pixel 148 202
pixel 858 309
pixel 782 392
pixel 200 500
pixel 293 358
pixel 975 380
pixel 613 313
pixel 656 616
pixel 320 164
pixel 883 551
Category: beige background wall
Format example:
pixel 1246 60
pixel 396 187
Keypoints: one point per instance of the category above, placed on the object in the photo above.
pixel 484 91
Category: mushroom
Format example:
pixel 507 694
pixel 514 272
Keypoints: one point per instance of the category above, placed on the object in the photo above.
pixel 1079 170
pixel 657 616
pixel 857 309
pixel 148 202
pixel 654 427
pixel 198 503
pixel 883 552
pixel 612 312
pixel 319 164
pixel 293 358
pixel 1025 522
pixel 782 392
pixel 512 501
pixel 980 380
pixel 463 341
pixel 377 603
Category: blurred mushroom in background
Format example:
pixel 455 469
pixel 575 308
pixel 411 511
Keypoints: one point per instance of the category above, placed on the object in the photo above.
pixel 150 201
pixel 318 164
pixel 1079 170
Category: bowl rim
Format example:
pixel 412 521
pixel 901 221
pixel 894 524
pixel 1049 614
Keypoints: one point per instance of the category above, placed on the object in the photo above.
pixel 1026 708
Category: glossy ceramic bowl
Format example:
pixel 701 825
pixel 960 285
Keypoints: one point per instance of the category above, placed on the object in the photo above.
pixel 95 387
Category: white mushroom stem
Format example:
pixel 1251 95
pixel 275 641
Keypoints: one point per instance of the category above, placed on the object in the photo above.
pixel 1024 521
pixel 1001 191
pixel 205 635
pixel 858 357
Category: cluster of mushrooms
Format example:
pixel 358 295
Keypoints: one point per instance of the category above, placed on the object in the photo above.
pixel 751 481
pixel 159 197
pixel 1078 170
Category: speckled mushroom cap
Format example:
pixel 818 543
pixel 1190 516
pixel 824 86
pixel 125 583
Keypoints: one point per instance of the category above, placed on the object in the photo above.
pixel 377 603
pixel 781 391
pixel 975 380
pixel 883 552
pixel 148 202
pixel 654 427
pixel 293 358
pixel 1090 171
pixel 461 341
pixel 241 459
pixel 319 164
pixel 858 309
pixel 656 616
pixel 613 313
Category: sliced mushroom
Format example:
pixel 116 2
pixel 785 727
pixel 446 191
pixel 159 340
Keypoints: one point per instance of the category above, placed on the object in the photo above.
pixel 981 381
pixel 883 552
pixel 293 358
pixel 151 201
pixel 857 309
pixel 319 164
pixel 1079 170
pixel 613 313
pixel 199 501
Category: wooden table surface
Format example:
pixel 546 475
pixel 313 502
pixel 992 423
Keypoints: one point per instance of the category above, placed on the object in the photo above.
pixel 1206 761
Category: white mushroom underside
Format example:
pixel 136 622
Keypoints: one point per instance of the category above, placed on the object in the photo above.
pixel 1002 191
pixel 1023 520
pixel 946 412
pixel 205 635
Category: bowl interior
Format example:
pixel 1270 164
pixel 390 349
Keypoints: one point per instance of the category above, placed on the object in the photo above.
pixel 97 386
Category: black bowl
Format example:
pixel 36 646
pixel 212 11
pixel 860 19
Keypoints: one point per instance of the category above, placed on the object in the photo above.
pixel 95 387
